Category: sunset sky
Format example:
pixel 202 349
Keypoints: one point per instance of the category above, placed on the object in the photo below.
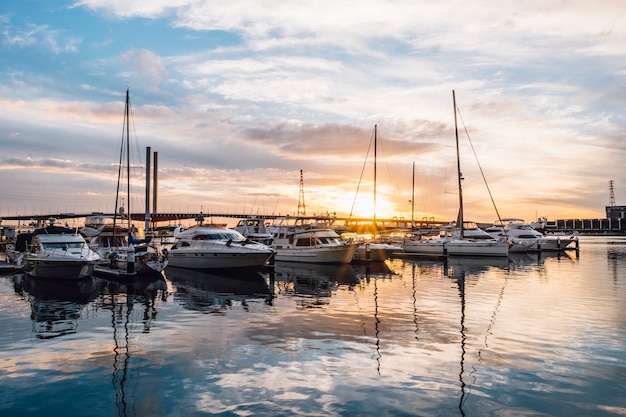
pixel 237 97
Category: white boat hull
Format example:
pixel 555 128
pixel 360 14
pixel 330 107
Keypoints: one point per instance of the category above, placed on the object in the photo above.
pixel 470 247
pixel 375 252
pixel 217 260
pixel 323 254
pixel 432 247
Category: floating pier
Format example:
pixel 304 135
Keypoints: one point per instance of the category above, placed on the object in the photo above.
pixel 115 273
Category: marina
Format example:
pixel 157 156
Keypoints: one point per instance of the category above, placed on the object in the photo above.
pixel 528 334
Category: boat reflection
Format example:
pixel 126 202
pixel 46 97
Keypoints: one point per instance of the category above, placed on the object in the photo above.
pixel 314 283
pixel 373 269
pixel 520 260
pixel 56 305
pixel 215 292
pixel 455 266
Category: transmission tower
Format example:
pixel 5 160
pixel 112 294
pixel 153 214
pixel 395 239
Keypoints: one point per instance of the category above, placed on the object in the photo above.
pixel 611 194
pixel 301 206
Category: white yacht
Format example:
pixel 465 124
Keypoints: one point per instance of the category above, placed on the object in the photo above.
pixel 429 244
pixel 520 232
pixel 298 240
pixel 472 242
pixel 216 247
pixel 58 253
pixel 253 228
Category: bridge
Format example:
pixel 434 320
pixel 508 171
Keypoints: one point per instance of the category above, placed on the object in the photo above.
pixel 349 223
pixel 358 224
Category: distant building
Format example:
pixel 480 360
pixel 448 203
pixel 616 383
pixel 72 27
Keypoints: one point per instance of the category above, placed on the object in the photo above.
pixel 7 232
pixel 615 212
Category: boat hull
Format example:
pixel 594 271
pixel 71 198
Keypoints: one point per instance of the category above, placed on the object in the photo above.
pixel 469 247
pixel 375 252
pixel 217 260
pixel 58 269
pixel 321 254
pixel 424 247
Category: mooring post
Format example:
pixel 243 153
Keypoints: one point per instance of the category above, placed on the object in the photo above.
pixel 130 259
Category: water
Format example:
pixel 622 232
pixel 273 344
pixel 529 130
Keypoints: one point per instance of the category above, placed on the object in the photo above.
pixel 536 336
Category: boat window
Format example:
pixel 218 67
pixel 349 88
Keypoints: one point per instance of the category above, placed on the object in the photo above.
pixel 304 241
pixel 59 245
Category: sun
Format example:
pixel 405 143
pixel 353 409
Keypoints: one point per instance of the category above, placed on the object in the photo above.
pixel 363 207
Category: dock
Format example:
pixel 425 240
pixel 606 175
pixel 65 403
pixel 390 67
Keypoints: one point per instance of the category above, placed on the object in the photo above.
pixel 7 268
pixel 112 273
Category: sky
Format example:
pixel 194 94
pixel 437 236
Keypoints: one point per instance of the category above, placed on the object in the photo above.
pixel 239 97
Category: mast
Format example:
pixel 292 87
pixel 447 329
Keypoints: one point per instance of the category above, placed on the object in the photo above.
pixel 127 115
pixel 118 208
pixel 458 167
pixel 413 200
pixel 375 144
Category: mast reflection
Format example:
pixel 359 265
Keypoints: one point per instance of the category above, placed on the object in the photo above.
pixel 121 298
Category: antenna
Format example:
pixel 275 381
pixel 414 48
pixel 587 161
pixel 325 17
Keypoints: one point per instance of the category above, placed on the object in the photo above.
pixel 301 207
pixel 611 194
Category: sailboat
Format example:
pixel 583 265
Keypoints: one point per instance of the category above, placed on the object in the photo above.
pixel 115 242
pixel 470 245
pixel 374 250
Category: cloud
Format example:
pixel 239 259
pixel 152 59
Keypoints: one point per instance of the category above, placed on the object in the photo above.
pixel 237 98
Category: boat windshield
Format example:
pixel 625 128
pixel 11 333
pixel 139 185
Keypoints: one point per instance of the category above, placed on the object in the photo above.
pixel 329 241
pixel 220 236
pixel 62 245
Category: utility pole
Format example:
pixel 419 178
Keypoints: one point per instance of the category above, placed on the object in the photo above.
pixel 301 206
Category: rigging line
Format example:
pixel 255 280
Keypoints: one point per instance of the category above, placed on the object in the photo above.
pixel 489 331
pixel 389 171
pixel 134 164
pixel 479 166
pixel 361 177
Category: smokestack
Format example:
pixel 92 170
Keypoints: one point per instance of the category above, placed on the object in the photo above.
pixel 154 186
pixel 147 218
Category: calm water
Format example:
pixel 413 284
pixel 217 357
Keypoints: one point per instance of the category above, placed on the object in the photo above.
pixel 536 336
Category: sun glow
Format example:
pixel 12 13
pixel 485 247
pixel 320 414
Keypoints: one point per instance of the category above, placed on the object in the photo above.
pixel 364 207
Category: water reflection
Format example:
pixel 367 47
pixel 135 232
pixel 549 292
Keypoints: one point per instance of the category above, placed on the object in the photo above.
pixel 121 298
pixel 56 306
pixel 215 292
pixel 313 283
pixel 460 270
pixel 459 266
pixel 373 269
pixel 521 260
pixel 540 336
